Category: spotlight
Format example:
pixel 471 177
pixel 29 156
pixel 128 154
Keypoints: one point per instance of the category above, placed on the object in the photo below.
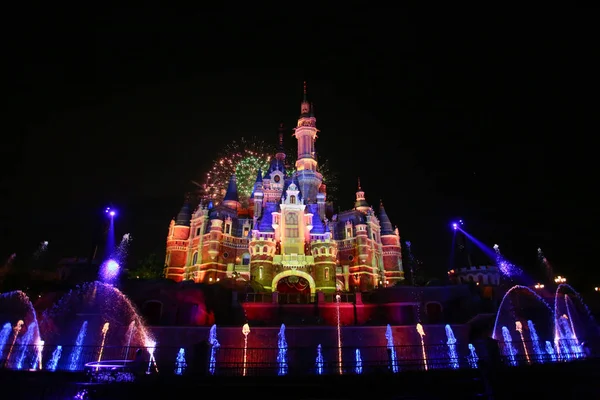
pixel 456 224
pixel 110 211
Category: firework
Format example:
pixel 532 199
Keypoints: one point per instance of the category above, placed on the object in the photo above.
pixel 506 268
pixel 242 158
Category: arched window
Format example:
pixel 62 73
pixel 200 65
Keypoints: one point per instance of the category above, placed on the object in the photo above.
pixel 246 259
pixel 292 199
pixel 195 258
pixel 434 312
pixel 326 273
pixel 260 272
pixel 152 312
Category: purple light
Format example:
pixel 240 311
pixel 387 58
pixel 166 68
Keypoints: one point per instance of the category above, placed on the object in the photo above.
pixel 455 225
pixel 112 213
pixel 110 270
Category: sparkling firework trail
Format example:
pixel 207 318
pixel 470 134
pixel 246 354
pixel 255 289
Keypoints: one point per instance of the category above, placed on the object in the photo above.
pixel 506 267
pixel 243 158
pixel 545 264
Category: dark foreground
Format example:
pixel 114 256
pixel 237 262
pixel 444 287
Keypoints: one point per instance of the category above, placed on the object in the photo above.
pixel 575 380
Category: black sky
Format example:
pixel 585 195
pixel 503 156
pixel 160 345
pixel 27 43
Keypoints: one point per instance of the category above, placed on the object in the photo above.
pixel 489 119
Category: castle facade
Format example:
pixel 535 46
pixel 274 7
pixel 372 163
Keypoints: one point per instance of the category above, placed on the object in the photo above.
pixel 283 241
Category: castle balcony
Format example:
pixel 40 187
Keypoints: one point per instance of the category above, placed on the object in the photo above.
pixel 293 261
pixel 346 244
pixel 235 242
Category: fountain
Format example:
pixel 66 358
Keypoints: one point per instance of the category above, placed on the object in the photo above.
pixel 523 303
pixel 151 348
pixel 550 351
pixel 568 343
pixel 16 330
pixel 25 342
pixel 509 350
pixel 214 346
pixel 129 335
pixel 104 332
pixel 4 336
pixel 180 363
pixel 451 343
pixel 421 332
pixel 583 323
pixel 519 328
pixel 81 315
pixel 319 362
pixel 16 306
pixel 53 363
pixel 37 362
pixel 393 361
pixel 282 352
pixel 245 332
pixel 339 334
pixel 535 342
pixel 472 357
pixel 358 362
pixel 76 352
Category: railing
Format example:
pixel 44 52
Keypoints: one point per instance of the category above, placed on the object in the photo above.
pixel 231 361
pixel 272 361
pixel 296 298
pixel 257 298
pixel 344 297
pixel 541 352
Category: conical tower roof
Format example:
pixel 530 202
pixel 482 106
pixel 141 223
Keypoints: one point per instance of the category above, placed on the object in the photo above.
pixel 384 221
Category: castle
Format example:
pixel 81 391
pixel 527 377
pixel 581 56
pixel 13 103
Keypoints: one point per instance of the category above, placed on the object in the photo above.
pixel 282 240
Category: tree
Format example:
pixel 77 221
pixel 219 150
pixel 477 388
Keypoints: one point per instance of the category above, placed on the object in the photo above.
pixel 151 267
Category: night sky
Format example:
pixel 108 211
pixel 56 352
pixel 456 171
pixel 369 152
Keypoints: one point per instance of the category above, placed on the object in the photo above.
pixel 492 120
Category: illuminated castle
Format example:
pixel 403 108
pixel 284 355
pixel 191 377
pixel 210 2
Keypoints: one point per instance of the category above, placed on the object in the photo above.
pixel 283 240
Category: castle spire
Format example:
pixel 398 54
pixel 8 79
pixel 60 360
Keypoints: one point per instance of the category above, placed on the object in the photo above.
pixel 361 203
pixel 305 106
pixel 231 198
pixel 185 213
pixel 384 221
pixel 280 149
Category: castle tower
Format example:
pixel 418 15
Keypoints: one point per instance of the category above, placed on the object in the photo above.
pixel 391 249
pixel 325 254
pixel 367 276
pixel 361 203
pixel 231 198
pixel 305 132
pixel 177 244
pixel 262 250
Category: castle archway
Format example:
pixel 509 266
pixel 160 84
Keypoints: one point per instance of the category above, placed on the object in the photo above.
pixel 288 277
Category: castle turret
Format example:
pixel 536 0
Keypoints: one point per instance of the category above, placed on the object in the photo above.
pixel 257 196
pixel 391 249
pixel 309 179
pixel 231 198
pixel 361 203
pixel 322 201
pixel 177 243
pixel 325 256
